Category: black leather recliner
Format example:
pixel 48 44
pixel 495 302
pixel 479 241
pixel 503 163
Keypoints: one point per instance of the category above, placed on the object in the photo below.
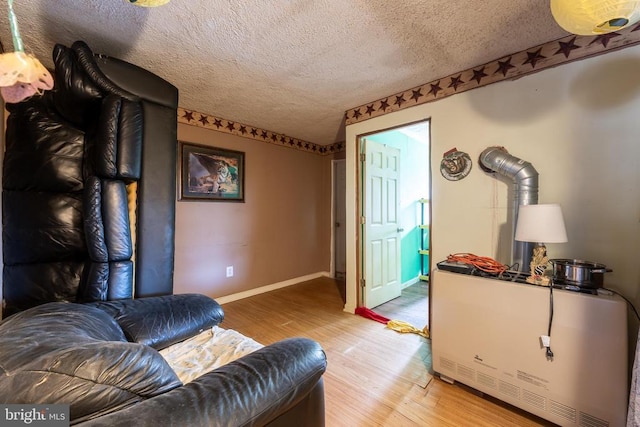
pixel 88 220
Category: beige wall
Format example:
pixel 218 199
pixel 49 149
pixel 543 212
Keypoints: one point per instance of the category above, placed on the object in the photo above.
pixel 281 232
pixel 578 124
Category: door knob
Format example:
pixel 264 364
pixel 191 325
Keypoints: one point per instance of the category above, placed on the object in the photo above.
pixel 400 230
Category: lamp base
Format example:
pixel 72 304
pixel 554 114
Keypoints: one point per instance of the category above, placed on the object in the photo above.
pixel 538 266
pixel 535 279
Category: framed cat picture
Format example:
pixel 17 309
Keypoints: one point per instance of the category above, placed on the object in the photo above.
pixel 210 173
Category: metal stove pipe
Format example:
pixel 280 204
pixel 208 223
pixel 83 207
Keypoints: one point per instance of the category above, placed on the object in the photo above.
pixel 525 178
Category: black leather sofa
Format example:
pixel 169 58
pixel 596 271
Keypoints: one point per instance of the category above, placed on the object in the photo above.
pixel 88 220
pixel 102 360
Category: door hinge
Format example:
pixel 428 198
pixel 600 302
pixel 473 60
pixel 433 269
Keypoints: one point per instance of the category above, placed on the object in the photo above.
pixel 363 157
pixel 363 220
pixel 363 283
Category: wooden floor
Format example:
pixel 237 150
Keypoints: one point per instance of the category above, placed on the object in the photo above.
pixel 375 376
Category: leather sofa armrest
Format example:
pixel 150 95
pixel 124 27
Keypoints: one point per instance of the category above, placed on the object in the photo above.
pixel 253 390
pixel 161 321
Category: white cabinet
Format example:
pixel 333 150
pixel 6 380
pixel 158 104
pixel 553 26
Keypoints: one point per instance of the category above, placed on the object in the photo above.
pixel 486 334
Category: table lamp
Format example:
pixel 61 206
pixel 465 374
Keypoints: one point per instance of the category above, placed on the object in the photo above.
pixel 540 224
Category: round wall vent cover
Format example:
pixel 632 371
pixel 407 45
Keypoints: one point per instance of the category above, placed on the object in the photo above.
pixel 455 165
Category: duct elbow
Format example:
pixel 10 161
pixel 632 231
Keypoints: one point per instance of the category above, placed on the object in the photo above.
pixel 492 158
pixel 497 159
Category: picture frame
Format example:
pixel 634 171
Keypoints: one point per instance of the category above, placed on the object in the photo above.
pixel 210 173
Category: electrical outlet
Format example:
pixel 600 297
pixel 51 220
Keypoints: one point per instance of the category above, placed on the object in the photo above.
pixel 230 271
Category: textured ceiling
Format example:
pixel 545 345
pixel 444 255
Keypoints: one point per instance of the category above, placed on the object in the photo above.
pixel 292 67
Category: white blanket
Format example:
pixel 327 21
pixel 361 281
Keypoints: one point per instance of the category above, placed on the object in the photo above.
pixel 207 351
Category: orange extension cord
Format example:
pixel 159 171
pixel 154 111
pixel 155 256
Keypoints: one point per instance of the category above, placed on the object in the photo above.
pixel 483 263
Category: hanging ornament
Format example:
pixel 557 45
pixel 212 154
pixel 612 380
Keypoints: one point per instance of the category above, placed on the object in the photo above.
pixel 593 17
pixel 455 165
pixel 148 3
pixel 21 74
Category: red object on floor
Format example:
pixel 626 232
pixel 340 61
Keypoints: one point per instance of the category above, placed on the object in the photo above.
pixel 370 314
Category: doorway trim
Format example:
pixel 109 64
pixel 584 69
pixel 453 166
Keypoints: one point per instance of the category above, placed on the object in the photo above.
pixel 354 133
pixel 334 166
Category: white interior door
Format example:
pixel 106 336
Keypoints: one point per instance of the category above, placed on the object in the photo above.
pixel 382 231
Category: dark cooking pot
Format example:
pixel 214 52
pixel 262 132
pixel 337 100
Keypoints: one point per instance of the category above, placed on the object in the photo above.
pixel 579 273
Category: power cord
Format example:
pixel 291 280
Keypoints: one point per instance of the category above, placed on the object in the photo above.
pixel 546 340
pixel 549 352
pixel 624 298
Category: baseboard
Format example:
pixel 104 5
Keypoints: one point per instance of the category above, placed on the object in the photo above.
pixel 272 287
pixel 410 282
pixel 349 309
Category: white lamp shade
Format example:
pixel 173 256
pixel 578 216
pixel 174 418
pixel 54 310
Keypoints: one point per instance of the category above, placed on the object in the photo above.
pixel 591 17
pixel 541 224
